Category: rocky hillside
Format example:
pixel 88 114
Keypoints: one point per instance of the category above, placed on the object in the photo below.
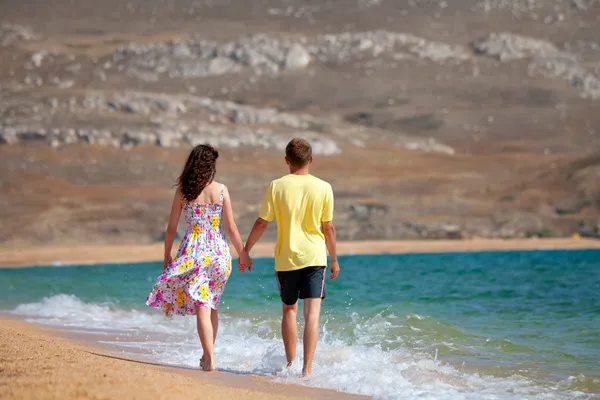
pixel 432 118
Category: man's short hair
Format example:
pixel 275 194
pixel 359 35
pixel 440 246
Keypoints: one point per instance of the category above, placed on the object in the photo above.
pixel 298 152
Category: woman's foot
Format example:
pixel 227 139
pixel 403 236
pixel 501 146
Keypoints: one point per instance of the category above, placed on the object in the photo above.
pixel 207 364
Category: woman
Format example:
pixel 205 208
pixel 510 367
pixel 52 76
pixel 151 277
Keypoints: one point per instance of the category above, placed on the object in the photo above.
pixel 194 281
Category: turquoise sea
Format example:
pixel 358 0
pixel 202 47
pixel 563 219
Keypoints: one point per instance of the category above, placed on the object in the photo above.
pixel 484 325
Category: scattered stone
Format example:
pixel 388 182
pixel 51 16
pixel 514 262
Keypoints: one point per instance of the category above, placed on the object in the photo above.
pixel 579 4
pixel 37 58
pixel 33 79
pixel 268 55
pixel 545 60
pixel 297 57
pixel 99 73
pixel 320 146
pixel 428 145
pixel 515 224
pixel 454 232
pixel 73 68
pixel 222 111
pixel 435 230
pixel 169 139
pixel 8 136
pixel 589 229
pixel 100 137
pixel 203 133
pixel 10 33
pixel 221 66
pixel 31 135
pixel 509 46
pixel 363 211
pixel 517 8
pixel 64 84
pixel 344 47
pixel 369 3
pixel 139 138
pixel 142 75
pixel 570 206
pixel 159 119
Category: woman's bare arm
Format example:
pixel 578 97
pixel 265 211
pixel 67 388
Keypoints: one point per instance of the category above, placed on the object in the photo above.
pixel 172 227
pixel 233 232
pixel 232 229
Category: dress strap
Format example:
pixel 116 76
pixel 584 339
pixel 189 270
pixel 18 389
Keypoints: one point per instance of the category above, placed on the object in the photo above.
pixel 222 192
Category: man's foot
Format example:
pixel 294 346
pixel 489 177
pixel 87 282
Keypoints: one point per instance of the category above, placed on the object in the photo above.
pixel 306 371
pixel 289 364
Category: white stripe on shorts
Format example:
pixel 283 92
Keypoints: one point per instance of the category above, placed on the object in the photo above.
pixel 323 283
pixel 278 284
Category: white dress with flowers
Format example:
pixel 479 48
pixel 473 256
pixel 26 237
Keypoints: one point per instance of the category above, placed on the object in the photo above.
pixel 197 276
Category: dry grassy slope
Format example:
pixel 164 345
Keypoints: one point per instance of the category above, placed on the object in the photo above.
pixel 568 189
pixel 83 194
pixel 532 170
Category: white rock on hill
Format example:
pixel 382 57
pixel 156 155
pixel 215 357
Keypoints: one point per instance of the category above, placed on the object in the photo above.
pixel 264 54
pixel 545 59
pixel 296 57
pixel 11 33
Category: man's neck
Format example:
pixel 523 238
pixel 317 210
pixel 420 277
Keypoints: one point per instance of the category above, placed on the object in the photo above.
pixel 299 171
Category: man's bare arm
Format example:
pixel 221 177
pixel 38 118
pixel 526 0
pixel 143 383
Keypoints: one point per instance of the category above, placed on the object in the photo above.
pixel 331 243
pixel 257 231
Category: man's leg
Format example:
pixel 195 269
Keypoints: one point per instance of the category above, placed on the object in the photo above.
pixel 288 291
pixel 312 312
pixel 289 331
pixel 312 291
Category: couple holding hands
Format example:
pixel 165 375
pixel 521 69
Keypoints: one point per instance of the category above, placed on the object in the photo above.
pixel 193 282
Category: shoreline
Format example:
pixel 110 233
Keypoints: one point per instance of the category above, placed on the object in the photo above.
pixel 54 363
pixel 116 253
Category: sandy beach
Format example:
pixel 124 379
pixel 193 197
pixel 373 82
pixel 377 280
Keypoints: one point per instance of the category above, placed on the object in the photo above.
pixel 462 132
pixel 38 363
pixel 92 254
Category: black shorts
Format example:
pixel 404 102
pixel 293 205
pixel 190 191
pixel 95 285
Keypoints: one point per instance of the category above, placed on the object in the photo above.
pixel 304 283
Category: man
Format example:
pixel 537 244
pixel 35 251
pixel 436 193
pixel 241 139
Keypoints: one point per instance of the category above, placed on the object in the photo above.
pixel 303 207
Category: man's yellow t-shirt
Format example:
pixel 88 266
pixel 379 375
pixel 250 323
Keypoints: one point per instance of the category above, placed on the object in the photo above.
pixel 299 203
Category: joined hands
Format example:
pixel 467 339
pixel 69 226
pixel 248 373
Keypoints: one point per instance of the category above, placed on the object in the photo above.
pixel 245 262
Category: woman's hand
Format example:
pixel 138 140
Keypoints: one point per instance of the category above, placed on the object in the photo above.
pixel 168 260
pixel 244 261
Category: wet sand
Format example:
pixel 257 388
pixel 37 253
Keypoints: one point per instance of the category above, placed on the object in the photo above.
pixel 39 363
pixel 92 254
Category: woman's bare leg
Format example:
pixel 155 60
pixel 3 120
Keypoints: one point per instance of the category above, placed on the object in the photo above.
pixel 207 338
pixel 214 320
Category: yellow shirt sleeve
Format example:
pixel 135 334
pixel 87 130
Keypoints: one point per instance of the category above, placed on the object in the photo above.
pixel 328 206
pixel 267 209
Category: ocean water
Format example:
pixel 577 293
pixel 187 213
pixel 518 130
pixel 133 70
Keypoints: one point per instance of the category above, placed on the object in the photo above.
pixel 485 325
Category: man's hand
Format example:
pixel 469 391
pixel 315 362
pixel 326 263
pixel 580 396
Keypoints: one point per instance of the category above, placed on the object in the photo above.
pixel 335 269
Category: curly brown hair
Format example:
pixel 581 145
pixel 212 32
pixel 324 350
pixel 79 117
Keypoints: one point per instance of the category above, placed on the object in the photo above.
pixel 198 172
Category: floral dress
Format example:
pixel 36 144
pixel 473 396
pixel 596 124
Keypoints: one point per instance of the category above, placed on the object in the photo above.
pixel 197 276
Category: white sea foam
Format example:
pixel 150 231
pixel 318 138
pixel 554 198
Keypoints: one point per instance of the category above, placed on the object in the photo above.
pixel 253 346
